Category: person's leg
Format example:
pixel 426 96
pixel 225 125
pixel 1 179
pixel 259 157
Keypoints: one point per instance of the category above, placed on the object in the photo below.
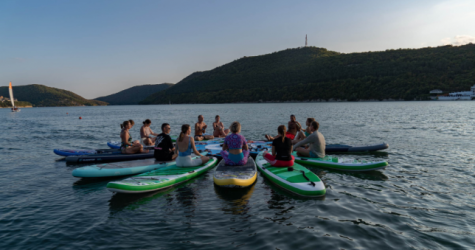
pixel 174 156
pixel 269 158
pixel 226 131
pixel 208 137
pixel 204 159
pixel 199 138
pixel 225 156
pixel 304 152
pixel 147 141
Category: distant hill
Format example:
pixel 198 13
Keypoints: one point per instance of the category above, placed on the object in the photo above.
pixel 19 104
pixel 311 73
pixel 43 96
pixel 133 95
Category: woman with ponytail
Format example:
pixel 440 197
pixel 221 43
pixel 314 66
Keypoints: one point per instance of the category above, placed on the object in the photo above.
pixel 146 132
pixel 237 145
pixel 281 150
pixel 184 146
pixel 127 146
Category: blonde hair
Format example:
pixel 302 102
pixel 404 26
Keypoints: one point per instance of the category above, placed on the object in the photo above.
pixel 235 127
pixel 282 130
pixel 184 129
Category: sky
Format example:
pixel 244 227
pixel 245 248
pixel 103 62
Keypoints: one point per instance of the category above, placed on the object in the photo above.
pixel 99 47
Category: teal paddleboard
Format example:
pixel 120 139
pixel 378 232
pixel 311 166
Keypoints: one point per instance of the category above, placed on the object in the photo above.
pixel 119 168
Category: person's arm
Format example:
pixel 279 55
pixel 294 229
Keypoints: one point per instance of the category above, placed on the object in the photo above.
pixel 225 146
pixel 170 144
pixel 196 128
pixel 194 148
pixel 309 139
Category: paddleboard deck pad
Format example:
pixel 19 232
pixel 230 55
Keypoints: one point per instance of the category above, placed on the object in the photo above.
pixel 159 179
pixel 119 168
pixel 106 157
pixel 296 179
pixel 235 176
pixel 340 163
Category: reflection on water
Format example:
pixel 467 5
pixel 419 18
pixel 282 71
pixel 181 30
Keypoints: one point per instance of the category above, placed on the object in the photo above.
pixel 236 200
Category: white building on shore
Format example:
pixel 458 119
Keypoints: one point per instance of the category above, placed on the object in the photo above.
pixel 458 96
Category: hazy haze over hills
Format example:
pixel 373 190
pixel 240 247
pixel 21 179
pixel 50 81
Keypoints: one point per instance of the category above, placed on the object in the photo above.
pixel 133 95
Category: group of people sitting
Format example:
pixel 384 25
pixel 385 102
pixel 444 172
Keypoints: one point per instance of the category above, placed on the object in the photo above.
pixel 286 141
pixel 235 151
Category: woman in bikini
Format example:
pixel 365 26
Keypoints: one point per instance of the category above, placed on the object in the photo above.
pixel 127 145
pixel 146 132
pixel 218 127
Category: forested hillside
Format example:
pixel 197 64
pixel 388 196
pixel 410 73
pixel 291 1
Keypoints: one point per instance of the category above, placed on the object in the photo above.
pixel 133 95
pixel 8 104
pixel 43 96
pixel 311 73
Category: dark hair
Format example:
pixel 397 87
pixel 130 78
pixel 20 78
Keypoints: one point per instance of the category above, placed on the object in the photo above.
pixel 132 122
pixel 164 125
pixel 315 125
pixel 216 116
pixel 292 115
pixel 310 120
pixel 184 129
pixel 147 122
pixel 124 124
pixel 282 130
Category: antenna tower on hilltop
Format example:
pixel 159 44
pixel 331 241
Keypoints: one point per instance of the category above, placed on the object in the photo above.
pixel 305 40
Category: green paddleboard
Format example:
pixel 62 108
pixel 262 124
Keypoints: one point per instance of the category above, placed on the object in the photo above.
pixel 160 179
pixel 299 180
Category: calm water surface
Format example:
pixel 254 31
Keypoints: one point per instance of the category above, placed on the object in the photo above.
pixel 423 200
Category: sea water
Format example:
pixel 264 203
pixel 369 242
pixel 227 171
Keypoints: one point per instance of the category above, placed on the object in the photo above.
pixel 424 199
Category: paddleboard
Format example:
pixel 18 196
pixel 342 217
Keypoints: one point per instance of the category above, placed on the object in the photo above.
pixel 159 179
pixel 296 179
pixel 340 163
pixel 69 152
pixel 235 176
pixel 119 168
pixel 340 148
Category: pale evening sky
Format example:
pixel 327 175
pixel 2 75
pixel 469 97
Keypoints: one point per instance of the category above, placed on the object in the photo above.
pixel 99 47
